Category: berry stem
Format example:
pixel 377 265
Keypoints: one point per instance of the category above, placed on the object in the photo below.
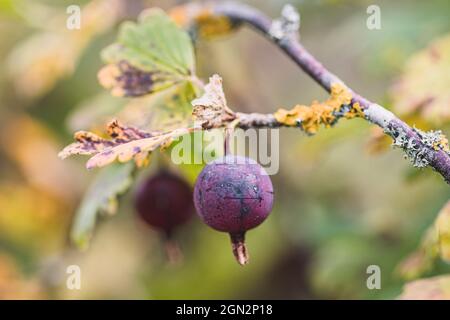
pixel 227 140
pixel 173 251
pixel 239 248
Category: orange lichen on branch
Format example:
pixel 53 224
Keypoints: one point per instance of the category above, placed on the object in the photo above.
pixel 308 117
pixel 433 139
pixel 441 143
pixel 202 20
pixel 354 112
pixel 210 25
pixel 339 96
pixel 321 113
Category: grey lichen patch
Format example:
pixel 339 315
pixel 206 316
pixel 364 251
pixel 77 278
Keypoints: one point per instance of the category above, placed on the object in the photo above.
pixel 287 25
pixel 419 146
pixel 434 139
pixel 415 150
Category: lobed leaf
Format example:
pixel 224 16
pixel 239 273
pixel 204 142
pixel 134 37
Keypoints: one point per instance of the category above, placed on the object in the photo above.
pixel 435 243
pixel 101 197
pixel 130 143
pixel 126 143
pixel 136 149
pixel 150 55
pixel 88 143
pixel 423 259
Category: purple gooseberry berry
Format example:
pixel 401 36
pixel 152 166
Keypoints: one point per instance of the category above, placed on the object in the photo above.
pixel 234 194
pixel 164 202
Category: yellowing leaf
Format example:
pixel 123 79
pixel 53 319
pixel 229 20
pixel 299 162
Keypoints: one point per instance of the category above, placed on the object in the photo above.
pixel 442 225
pixel 126 143
pixel 416 264
pixel 137 149
pixel 166 115
pixel 150 55
pixel 436 288
pixel 421 260
pixel 424 86
pixel 125 80
pixel 39 61
pixel 162 111
pixel 89 143
pixel 435 243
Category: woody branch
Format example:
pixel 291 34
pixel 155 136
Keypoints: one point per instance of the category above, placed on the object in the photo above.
pixel 423 148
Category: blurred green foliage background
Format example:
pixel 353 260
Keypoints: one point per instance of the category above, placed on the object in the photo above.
pixel 339 207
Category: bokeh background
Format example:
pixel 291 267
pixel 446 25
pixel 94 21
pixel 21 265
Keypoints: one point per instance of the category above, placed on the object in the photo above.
pixel 344 199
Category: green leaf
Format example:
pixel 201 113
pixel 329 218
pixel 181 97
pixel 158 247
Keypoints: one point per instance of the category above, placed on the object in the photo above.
pixel 95 112
pixel 162 111
pixel 100 198
pixel 150 55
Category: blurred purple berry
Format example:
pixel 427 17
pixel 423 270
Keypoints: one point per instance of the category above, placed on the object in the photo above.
pixel 164 201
